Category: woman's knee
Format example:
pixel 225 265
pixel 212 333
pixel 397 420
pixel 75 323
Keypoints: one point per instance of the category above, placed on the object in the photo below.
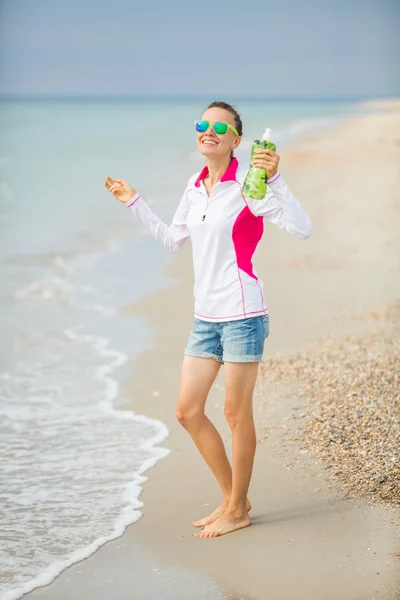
pixel 237 415
pixel 188 415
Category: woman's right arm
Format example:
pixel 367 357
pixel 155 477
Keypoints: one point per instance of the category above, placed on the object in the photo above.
pixel 173 236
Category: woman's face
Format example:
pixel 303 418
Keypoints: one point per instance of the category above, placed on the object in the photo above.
pixel 210 143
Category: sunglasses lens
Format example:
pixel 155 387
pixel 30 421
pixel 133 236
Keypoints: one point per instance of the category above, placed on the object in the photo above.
pixel 202 126
pixel 220 128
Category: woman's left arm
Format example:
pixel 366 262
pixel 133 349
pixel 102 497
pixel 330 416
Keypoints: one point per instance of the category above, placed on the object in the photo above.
pixel 279 206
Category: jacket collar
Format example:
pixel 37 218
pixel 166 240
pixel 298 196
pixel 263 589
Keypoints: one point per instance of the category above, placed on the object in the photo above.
pixel 229 175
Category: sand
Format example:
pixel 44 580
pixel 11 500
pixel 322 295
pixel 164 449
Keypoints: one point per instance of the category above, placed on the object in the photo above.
pixel 352 415
pixel 309 540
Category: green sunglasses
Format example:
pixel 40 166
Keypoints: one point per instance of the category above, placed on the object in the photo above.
pixel 219 128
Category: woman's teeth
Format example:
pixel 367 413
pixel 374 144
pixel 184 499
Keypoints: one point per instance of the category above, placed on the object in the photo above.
pixel 209 143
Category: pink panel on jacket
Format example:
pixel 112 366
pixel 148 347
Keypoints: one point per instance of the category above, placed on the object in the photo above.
pixel 246 233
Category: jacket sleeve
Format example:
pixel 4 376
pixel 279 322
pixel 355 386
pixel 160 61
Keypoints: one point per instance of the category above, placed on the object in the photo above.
pixel 173 236
pixel 282 208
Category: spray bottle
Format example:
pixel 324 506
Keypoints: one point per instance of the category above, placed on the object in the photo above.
pixel 255 183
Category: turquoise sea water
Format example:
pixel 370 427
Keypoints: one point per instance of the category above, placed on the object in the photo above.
pixel 70 258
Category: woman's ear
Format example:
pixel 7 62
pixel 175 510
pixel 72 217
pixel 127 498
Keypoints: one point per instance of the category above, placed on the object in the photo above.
pixel 237 142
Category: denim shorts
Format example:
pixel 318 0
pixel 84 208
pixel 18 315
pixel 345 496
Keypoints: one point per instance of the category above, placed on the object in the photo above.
pixel 229 341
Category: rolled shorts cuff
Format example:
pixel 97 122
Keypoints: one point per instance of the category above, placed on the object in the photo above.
pixel 204 355
pixel 244 358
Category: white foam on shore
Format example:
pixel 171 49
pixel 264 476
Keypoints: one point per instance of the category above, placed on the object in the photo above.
pixel 129 515
pixel 74 464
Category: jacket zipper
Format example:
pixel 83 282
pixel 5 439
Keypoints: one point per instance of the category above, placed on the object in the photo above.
pixel 205 210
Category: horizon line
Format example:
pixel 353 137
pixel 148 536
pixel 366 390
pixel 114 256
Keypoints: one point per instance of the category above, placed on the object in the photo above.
pixel 175 98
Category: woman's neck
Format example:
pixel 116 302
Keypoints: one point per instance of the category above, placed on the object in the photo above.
pixel 216 168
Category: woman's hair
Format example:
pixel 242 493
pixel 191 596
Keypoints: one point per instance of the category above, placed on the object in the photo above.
pixel 234 113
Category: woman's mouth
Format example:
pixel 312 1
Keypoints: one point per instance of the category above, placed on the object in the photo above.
pixel 209 142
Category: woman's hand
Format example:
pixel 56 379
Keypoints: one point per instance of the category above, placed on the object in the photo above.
pixel 268 160
pixel 120 189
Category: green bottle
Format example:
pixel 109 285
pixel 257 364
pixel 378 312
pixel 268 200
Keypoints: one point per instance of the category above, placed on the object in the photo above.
pixel 255 184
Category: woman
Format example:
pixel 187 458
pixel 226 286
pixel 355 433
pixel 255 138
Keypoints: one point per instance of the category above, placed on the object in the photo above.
pixel 231 317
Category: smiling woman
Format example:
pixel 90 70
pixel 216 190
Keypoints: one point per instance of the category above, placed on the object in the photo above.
pixel 234 123
pixel 231 320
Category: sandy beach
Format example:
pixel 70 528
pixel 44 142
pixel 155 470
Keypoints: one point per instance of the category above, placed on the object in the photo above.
pixel 314 535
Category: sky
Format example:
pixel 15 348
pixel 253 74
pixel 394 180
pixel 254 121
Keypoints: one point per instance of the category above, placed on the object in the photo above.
pixel 347 49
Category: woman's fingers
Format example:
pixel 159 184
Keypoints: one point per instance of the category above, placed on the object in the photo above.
pixel 266 152
pixel 264 163
pixel 121 190
pixel 268 157
pixel 269 164
pixel 113 184
pixel 108 182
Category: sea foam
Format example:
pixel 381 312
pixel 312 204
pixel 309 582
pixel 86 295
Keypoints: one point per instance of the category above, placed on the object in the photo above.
pixel 73 463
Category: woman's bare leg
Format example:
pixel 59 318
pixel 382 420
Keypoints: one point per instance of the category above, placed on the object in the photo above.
pixel 198 375
pixel 240 379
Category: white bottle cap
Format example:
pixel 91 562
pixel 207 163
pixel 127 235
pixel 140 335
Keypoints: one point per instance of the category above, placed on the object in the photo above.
pixel 267 134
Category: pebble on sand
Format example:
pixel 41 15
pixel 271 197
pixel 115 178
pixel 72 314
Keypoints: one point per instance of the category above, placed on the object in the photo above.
pixel 352 391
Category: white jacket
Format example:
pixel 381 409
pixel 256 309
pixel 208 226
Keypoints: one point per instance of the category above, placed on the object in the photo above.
pixel 225 229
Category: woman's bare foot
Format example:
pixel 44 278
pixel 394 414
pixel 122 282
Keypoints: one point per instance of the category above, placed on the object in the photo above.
pixel 218 512
pixel 225 524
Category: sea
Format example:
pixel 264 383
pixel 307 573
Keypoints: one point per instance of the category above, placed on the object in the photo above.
pixel 72 258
